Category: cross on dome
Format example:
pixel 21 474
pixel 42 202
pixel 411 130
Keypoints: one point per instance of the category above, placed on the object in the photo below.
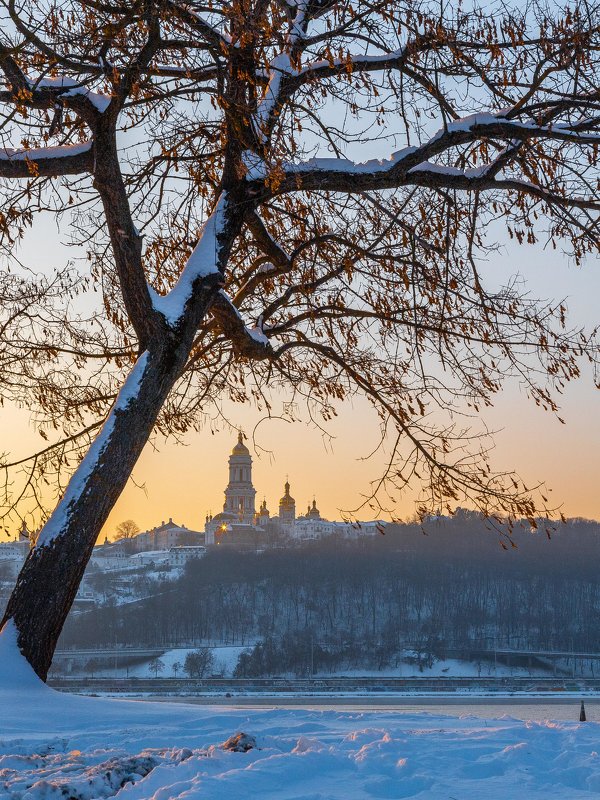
pixel 240 448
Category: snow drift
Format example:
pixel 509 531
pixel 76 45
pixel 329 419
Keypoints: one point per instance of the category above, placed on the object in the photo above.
pixel 55 746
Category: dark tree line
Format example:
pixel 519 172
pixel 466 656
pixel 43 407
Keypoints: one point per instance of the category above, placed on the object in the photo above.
pixel 364 602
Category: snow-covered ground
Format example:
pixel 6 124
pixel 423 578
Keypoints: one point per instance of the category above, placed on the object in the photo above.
pixel 225 658
pixel 449 668
pixel 55 746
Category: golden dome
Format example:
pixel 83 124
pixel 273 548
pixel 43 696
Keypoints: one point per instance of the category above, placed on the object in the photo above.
pixel 314 511
pixel 287 500
pixel 240 449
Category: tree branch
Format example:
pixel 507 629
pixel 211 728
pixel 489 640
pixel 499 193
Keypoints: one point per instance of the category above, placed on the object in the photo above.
pixel 248 343
pixel 74 159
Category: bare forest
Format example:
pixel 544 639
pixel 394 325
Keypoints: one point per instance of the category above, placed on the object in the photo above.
pixel 365 603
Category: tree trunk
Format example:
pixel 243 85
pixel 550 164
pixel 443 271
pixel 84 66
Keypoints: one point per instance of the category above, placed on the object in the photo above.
pixel 51 575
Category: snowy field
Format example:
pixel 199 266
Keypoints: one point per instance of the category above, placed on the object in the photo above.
pixel 225 658
pixel 62 746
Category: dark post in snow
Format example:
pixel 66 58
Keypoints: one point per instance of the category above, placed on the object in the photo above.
pixel 582 717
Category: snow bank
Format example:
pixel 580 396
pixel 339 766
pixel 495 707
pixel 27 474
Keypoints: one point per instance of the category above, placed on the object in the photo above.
pixel 55 746
pixel 15 673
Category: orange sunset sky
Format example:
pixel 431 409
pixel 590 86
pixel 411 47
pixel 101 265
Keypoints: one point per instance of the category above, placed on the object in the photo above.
pixel 185 482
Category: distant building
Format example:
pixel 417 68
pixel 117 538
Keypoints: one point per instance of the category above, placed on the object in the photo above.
pixel 149 558
pixel 263 516
pixel 287 510
pixel 307 528
pixel 163 537
pixel 179 556
pixel 240 495
pixel 109 557
pixel 241 536
pixel 241 526
pixel 12 557
pixel 14 552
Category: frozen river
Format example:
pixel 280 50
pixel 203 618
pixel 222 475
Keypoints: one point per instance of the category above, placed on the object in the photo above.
pixel 524 708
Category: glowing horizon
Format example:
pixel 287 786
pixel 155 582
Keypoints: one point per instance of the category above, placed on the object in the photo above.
pixel 187 481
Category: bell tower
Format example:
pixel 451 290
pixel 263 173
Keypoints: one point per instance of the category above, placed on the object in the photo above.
pixel 240 493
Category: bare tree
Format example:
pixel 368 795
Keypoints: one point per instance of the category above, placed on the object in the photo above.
pixel 156 665
pixel 127 529
pixel 221 164
pixel 199 663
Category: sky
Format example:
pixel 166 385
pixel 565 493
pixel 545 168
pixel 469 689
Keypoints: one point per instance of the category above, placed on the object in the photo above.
pixel 185 481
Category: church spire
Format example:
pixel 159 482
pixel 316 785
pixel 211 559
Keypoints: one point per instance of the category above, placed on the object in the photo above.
pixel 314 512
pixel 287 505
pixel 240 493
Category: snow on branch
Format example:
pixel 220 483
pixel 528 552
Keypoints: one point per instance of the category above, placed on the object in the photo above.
pixel 405 166
pixel 281 71
pixel 280 67
pixel 498 124
pixel 73 88
pixel 41 153
pixel 247 342
pixel 189 15
pixel 204 261
pixel 355 63
pixel 68 159
pixel 345 165
pixel 79 482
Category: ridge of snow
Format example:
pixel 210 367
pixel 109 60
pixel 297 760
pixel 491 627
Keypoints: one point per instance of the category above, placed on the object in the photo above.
pixel 279 66
pixel 37 153
pixel 77 484
pixel 440 169
pixel 222 34
pixel 230 302
pixel 296 32
pixel 202 262
pixel 489 118
pixel 481 118
pixel 480 171
pixel 352 167
pixel 99 100
pixel 257 333
pixel 15 671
